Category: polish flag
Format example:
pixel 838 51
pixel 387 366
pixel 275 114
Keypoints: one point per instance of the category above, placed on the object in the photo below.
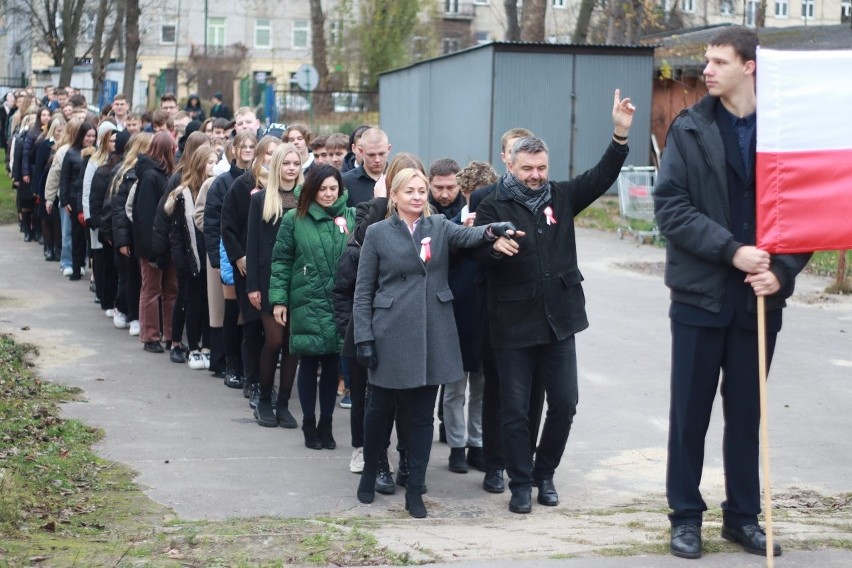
pixel 804 150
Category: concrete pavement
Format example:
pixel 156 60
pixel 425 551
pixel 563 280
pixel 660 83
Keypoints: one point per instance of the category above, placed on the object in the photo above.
pixel 198 450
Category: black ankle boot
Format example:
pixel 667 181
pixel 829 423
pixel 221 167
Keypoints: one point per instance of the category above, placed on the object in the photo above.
pixel 312 437
pixel 232 376
pixel 367 485
pixel 384 479
pixel 325 435
pixel 414 501
pixel 402 469
pixel 264 414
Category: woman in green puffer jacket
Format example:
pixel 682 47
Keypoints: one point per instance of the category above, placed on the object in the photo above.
pixel 304 261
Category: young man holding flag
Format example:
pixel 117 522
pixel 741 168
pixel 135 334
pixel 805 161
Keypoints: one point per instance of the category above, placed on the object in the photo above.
pixel 705 207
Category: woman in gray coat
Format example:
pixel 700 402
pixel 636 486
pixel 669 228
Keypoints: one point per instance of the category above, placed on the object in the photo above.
pixel 405 331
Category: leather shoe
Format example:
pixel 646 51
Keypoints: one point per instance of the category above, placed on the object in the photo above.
pixel 686 541
pixel 521 501
pixel 493 482
pixel 751 537
pixel 547 494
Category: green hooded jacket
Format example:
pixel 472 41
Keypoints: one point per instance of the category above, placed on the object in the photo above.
pixel 304 263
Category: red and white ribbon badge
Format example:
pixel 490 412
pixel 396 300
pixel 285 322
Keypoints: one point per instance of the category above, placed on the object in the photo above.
pixel 341 224
pixel 426 249
pixel 548 212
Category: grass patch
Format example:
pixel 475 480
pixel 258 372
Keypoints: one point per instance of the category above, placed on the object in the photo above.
pixel 62 505
pixel 8 210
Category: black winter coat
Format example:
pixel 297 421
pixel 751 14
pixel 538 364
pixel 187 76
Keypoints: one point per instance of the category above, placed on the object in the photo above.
pixel 152 185
pixel 181 234
pixel 97 194
pixel 41 165
pixel 213 212
pixel 536 294
pixel 71 181
pixel 235 211
pixel 122 228
pixel 260 240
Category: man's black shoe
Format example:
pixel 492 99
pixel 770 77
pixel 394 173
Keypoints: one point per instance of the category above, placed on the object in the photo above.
pixel 458 463
pixel 384 479
pixel 547 494
pixel 153 347
pixel 686 541
pixel 751 537
pixel 521 501
pixel 493 482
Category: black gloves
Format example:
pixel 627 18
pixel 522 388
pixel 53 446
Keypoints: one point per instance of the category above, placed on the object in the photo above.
pixel 500 229
pixel 366 354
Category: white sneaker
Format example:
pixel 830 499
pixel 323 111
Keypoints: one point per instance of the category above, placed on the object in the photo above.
pixel 205 355
pixel 135 328
pixel 67 271
pixel 195 360
pixel 119 320
pixel 109 313
pixel 356 464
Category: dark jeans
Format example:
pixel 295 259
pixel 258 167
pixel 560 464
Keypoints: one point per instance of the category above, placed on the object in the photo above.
pixel 106 278
pixel 196 315
pixel 276 345
pixel 128 267
pixel 328 380
pixel 492 437
pixel 119 263
pixel 698 354
pixel 78 244
pixel 418 405
pixel 555 365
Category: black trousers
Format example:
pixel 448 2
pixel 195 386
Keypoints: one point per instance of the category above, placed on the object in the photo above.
pixel 492 437
pixel 419 405
pixel 106 277
pixel 358 393
pixel 555 365
pixel 79 244
pixel 698 355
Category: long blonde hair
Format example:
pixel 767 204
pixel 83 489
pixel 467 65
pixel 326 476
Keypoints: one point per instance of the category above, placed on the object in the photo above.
pixel 138 144
pixel 101 155
pixel 258 171
pixel 402 177
pixel 273 207
pixel 195 171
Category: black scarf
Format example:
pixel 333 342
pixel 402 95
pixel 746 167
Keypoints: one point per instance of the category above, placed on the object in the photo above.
pixel 532 199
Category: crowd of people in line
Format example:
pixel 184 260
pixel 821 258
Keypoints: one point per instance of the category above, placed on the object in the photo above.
pixel 243 251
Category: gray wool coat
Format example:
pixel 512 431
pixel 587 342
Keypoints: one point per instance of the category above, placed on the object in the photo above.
pixel 406 306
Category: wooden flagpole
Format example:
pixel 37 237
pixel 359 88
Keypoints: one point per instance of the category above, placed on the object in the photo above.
pixel 764 428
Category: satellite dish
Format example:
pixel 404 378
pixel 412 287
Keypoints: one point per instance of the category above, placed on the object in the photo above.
pixel 307 77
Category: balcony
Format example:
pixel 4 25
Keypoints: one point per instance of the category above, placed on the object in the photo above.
pixel 458 10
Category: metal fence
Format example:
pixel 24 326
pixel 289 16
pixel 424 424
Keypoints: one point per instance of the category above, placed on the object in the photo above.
pixel 13 82
pixel 325 110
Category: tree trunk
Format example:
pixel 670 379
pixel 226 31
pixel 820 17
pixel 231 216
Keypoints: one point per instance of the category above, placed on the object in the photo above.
pixel 319 50
pixel 513 30
pixel 584 18
pixel 532 20
pixel 98 67
pixel 132 49
pixel 72 14
pixel 840 282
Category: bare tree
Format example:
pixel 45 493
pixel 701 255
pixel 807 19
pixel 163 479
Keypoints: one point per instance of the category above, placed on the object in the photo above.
pixel 319 51
pixel 584 18
pixel 72 15
pixel 54 30
pixel 532 20
pixel 102 50
pixel 513 30
pixel 131 53
pixel 625 22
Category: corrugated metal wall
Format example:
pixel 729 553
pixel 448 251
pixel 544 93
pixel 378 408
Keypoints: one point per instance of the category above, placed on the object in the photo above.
pixel 459 105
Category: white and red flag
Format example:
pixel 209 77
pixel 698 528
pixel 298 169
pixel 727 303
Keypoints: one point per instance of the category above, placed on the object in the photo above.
pixel 804 150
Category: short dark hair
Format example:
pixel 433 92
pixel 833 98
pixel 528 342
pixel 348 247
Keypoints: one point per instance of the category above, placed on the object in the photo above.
pixel 221 123
pixel 77 101
pixel 444 167
pixel 742 39
pixel 319 142
pixel 528 145
pixel 162 118
pixel 168 97
pixel 310 188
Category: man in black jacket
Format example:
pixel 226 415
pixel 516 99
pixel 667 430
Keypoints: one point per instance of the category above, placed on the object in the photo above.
pixel 705 207
pixel 536 303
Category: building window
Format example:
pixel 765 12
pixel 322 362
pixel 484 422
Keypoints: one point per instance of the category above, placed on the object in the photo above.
pixel 451 7
pixel 168 34
pixel 808 9
pixel 263 33
pixel 726 7
pixel 449 45
pixel 781 8
pixel 89 19
pixel 482 37
pixel 688 6
pixel 752 7
pixel 481 2
pixel 300 34
pixel 335 33
pixel 558 3
pixel 216 32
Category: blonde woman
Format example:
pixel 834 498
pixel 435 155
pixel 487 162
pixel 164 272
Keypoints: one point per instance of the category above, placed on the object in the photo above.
pixel 266 210
pixel 51 192
pixel 122 230
pixel 94 158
